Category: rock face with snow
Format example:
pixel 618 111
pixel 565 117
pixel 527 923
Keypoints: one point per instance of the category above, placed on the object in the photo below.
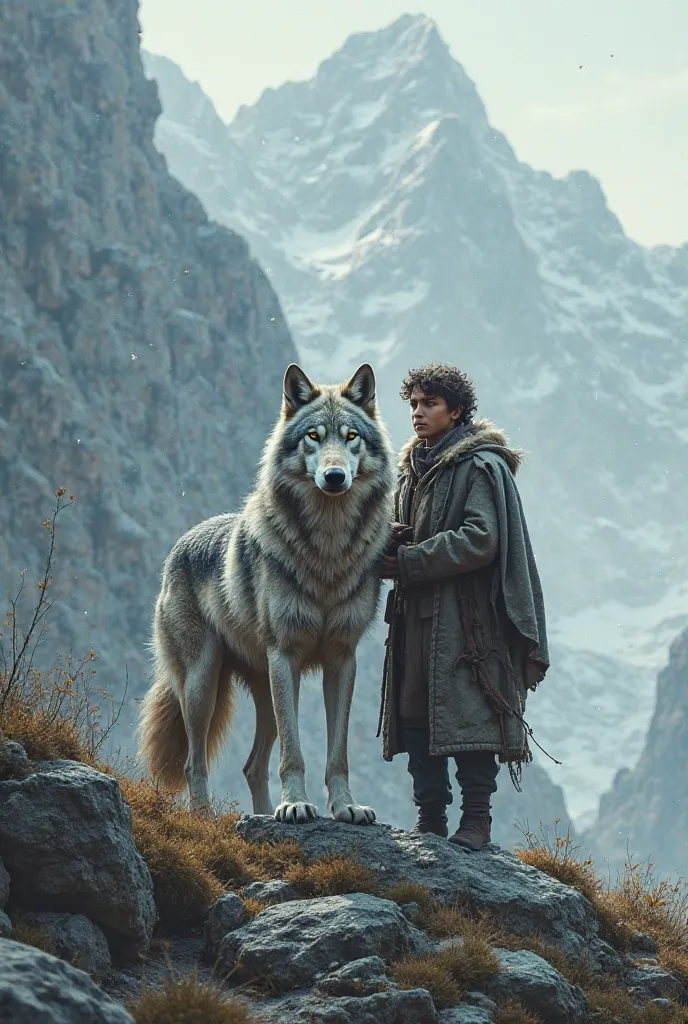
pixel 646 810
pixel 398 225
pixel 137 338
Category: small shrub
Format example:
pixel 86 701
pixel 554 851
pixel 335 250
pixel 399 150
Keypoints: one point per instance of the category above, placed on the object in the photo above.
pixel 30 936
pixel 471 962
pixel 333 876
pixel 512 1012
pixel 187 1001
pixel 448 974
pixel 274 860
pixel 410 892
pixel 430 973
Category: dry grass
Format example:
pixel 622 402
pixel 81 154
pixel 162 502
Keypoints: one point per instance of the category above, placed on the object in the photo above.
pixel 410 892
pixel 448 974
pixel 332 876
pixel 512 1012
pixel 615 1006
pixel 638 901
pixel 194 859
pixel 30 936
pixel 429 973
pixel 256 907
pixel 187 1001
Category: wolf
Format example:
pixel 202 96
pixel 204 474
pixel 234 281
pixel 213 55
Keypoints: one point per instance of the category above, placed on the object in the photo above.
pixel 261 597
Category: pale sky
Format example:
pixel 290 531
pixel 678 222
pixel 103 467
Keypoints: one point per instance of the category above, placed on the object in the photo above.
pixel 624 117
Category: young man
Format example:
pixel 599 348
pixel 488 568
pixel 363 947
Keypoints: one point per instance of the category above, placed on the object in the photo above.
pixel 466 618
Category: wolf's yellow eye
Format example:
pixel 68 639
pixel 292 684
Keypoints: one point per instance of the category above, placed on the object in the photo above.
pixel 314 435
pixel 352 435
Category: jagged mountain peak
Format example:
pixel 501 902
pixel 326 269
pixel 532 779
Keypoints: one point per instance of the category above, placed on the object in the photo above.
pixel 405 43
pixel 401 74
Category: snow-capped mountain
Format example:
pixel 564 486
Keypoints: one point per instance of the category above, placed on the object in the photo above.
pixel 397 225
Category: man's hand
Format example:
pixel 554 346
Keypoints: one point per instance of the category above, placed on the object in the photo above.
pixel 390 568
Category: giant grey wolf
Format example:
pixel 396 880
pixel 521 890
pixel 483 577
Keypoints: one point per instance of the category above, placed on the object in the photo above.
pixel 286 586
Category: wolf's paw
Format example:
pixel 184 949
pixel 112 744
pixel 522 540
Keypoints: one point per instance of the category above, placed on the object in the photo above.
pixel 296 814
pixel 354 814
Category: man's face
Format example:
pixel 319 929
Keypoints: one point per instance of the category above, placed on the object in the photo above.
pixel 431 417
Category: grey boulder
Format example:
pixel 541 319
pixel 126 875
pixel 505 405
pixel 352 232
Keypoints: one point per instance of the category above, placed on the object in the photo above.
pixel 41 989
pixel 290 943
pixel 226 915
pixel 648 980
pixel 532 981
pixel 76 940
pixel 523 898
pixel 276 891
pixel 5 926
pixel 362 977
pixel 66 839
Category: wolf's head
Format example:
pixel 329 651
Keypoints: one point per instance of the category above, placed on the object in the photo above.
pixel 331 433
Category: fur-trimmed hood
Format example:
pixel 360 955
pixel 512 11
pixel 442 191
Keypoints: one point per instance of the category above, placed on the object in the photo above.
pixel 479 434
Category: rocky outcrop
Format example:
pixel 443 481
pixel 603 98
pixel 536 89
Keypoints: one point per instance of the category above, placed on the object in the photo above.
pixel 646 811
pixel 65 838
pixel 141 347
pixel 291 942
pixel 228 914
pixel 524 899
pixel 39 988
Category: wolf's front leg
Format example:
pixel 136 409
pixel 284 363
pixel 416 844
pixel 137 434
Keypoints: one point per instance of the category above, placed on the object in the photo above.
pixel 339 674
pixel 284 686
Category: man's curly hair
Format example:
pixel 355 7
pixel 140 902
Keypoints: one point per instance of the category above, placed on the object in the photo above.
pixel 437 380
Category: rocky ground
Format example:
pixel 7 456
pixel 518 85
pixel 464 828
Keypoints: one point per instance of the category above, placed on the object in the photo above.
pixel 72 881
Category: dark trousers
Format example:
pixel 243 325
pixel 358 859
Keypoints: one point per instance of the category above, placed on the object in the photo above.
pixel 476 770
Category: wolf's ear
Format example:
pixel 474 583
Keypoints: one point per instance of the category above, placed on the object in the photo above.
pixel 360 388
pixel 298 389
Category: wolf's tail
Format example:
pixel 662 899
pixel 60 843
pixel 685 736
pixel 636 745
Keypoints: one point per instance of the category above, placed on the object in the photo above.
pixel 162 734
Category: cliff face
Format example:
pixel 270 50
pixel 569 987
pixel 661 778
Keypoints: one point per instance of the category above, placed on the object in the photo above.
pixel 645 810
pixel 141 347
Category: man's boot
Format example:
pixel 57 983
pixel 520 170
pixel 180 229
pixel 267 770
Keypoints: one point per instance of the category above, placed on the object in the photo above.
pixel 474 828
pixel 431 818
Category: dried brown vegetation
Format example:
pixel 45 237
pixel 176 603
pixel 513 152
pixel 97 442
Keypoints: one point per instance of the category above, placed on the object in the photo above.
pixel 31 936
pixel 512 1012
pixel 187 1001
pixel 448 974
pixel 637 902
pixel 410 892
pixel 332 876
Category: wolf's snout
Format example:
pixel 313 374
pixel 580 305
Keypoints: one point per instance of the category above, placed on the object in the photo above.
pixel 335 478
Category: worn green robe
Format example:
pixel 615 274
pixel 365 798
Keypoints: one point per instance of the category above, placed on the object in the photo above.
pixel 470 595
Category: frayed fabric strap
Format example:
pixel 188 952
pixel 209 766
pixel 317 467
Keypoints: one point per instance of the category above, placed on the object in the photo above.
pixel 476 656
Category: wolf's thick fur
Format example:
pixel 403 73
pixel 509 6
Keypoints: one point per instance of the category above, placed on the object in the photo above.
pixel 285 586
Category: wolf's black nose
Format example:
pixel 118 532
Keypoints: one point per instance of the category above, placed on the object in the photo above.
pixel 334 477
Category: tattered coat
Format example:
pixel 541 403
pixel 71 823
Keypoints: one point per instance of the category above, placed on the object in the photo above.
pixel 468 600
